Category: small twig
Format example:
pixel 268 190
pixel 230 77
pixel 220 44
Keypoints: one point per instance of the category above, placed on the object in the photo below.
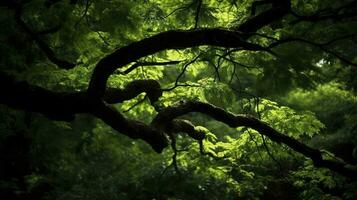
pixel 233 74
pixel 136 104
pixel 102 38
pixel 256 145
pixel 270 154
pixel 177 9
pixel 182 73
pixel 180 85
pixel 265 143
pixel 140 64
pixel 84 15
pixel 198 13
pixel 184 69
pixel 216 70
pixel 237 63
pixel 174 156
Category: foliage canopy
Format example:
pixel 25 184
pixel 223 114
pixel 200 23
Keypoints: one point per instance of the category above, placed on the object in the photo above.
pixel 198 99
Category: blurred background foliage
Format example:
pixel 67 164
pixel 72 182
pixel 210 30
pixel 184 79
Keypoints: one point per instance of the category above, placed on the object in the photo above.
pixel 304 93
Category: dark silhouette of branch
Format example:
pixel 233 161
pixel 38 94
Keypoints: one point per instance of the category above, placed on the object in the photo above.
pixel 235 121
pixel 21 95
pixel 159 42
pixel 182 73
pixel 139 64
pixel 63 106
pixel 180 40
pixel 131 128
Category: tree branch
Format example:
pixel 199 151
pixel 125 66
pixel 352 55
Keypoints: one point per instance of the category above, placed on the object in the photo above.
pixel 180 40
pixel 63 106
pixel 131 128
pixel 159 42
pixel 235 121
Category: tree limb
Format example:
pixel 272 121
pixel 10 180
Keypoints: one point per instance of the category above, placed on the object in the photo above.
pixel 180 39
pixel 159 42
pixel 235 121
pixel 63 107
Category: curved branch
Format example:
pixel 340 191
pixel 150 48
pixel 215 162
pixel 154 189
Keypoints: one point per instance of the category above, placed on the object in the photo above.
pixel 235 121
pixel 179 40
pixel 159 42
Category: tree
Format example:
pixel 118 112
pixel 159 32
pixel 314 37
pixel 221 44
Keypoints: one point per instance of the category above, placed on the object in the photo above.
pixel 63 59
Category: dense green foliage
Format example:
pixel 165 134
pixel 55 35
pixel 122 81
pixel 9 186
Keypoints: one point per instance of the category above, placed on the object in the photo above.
pixel 305 88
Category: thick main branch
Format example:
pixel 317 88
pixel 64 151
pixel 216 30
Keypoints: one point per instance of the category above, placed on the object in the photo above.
pixel 63 106
pixel 159 42
pixel 179 39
